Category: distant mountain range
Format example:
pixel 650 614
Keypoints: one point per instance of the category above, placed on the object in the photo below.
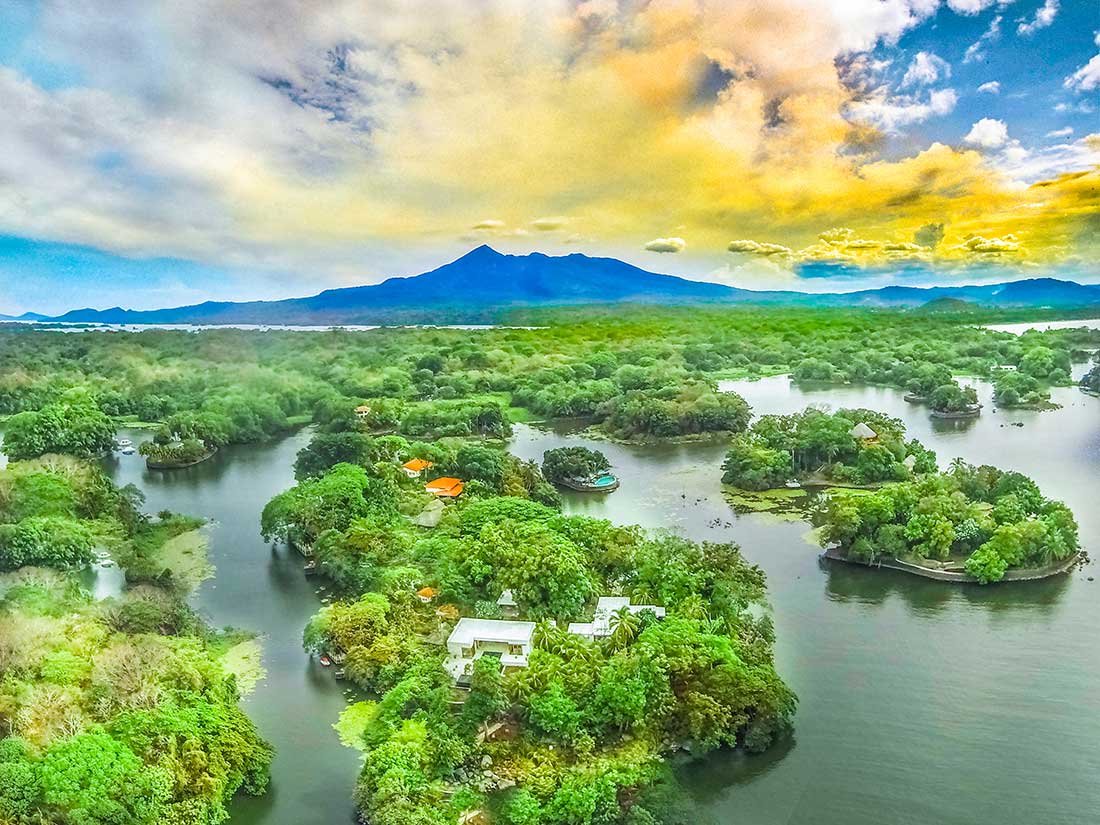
pixel 479 285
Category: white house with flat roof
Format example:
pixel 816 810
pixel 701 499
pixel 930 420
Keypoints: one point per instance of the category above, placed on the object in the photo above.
pixel 600 626
pixel 473 638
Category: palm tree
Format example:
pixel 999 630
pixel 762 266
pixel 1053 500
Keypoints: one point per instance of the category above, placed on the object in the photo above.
pixel 714 625
pixel 693 607
pixel 624 627
pixel 544 636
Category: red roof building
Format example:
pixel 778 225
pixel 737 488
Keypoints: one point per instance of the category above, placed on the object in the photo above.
pixel 445 487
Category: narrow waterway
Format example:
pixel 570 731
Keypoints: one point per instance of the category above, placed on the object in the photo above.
pixel 921 702
pixel 261 588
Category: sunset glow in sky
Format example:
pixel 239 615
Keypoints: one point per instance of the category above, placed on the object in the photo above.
pixel 156 153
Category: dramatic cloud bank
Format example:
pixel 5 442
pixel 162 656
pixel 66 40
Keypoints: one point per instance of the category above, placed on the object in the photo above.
pixel 341 141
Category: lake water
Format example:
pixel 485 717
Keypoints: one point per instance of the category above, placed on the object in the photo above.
pixel 263 589
pixel 920 702
pixel 1043 326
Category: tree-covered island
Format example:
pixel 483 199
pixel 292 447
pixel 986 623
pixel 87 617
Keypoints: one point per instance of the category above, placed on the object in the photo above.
pixel 579 468
pixel 978 521
pixel 814 447
pixel 530 666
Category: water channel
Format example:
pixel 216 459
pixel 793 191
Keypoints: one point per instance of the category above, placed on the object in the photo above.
pixel 921 702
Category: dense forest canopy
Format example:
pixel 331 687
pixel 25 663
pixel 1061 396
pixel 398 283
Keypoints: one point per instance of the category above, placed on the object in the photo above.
pixel 637 372
pixel 586 719
pixel 826 447
pixel 985 519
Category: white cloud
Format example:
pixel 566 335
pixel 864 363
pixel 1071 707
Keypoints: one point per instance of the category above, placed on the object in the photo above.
pixel 891 114
pixel 1044 16
pixel 1086 78
pixel 766 250
pixel 1051 161
pixel 925 70
pixel 666 245
pixel 489 225
pixel 977 50
pixel 1058 133
pixel 987 133
pixel 970 7
pixel 993 87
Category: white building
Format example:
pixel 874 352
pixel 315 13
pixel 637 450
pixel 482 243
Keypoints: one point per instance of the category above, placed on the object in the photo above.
pixel 862 432
pixel 600 626
pixel 507 604
pixel 473 638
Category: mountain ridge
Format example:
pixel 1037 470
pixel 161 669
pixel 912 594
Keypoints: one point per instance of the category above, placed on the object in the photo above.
pixel 477 286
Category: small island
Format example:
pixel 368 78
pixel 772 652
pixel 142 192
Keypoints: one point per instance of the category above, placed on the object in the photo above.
pixel 969 524
pixel 579 468
pixel 183 440
pixel 954 401
pixel 858 448
pixel 175 454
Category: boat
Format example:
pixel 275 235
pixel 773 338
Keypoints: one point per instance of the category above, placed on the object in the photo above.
pixel 125 442
pixel 325 660
pixel 604 483
pixel 128 451
pixel 793 484
pixel 310 567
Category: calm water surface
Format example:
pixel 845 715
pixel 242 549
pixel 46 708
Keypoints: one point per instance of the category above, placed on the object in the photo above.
pixel 921 702
pixel 263 589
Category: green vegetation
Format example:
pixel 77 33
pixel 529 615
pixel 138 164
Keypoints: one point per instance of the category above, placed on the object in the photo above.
pixel 126 710
pixel 577 735
pixel 1013 389
pixel 573 464
pixel 116 711
pixel 818 446
pixel 980 519
pixel 953 399
pixel 73 424
pixel 641 372
pixel 119 710
pixel 174 453
pixel 56 511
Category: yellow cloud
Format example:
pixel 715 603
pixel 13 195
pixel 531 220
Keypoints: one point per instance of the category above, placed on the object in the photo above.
pixel 725 121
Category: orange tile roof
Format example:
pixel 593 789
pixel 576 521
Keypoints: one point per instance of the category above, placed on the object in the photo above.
pixel 416 465
pixel 449 487
pixel 427 592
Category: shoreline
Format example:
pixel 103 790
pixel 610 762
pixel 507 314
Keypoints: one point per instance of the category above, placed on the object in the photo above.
pixel 959 415
pixel 1011 575
pixel 172 465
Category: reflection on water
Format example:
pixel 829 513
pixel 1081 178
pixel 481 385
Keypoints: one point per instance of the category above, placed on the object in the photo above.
pixel 263 589
pixel 920 702
pixel 916 697
pixel 104 579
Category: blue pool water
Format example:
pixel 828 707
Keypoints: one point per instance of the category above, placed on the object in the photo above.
pixel 604 481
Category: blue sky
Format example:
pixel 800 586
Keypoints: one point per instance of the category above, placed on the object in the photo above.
pixel 151 155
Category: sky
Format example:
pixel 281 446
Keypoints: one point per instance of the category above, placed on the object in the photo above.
pixel 161 153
